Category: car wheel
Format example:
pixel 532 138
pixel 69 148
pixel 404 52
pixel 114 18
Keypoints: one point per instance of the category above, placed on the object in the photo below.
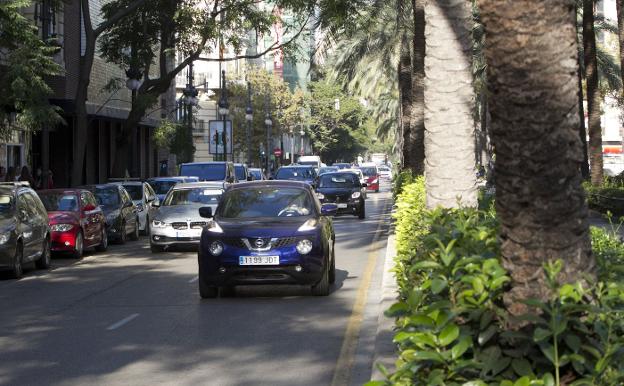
pixel 122 233
pixel 17 270
pixel 135 234
pixel 227 292
pixel 332 268
pixel 362 212
pixel 103 246
pixel 79 247
pixel 207 291
pixel 322 287
pixel 156 248
pixel 44 261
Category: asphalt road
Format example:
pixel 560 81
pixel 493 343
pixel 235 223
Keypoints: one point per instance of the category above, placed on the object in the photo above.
pixel 127 317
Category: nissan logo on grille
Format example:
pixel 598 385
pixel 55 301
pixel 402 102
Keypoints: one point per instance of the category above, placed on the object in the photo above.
pixel 259 243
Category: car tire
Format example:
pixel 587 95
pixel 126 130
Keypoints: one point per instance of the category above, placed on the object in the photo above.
pixel 79 246
pixel 332 269
pixel 146 231
pixel 17 270
pixel 122 234
pixel 156 248
pixel 103 246
pixel 207 291
pixel 322 287
pixel 362 212
pixel 44 261
pixel 135 235
pixel 227 291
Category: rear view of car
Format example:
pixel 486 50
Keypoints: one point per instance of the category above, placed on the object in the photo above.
pixel 343 189
pixel 385 172
pixel 371 174
pixel 297 173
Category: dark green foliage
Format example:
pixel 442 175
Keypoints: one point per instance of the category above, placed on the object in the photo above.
pixel 606 198
pixel 27 61
pixel 453 329
pixel 400 180
pixel 177 138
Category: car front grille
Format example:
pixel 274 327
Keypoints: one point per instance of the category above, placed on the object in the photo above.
pixel 198 224
pixel 281 242
pixel 179 225
pixel 284 242
pixel 337 198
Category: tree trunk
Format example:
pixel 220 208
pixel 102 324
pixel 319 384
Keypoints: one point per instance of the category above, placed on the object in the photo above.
pixel 534 109
pixel 415 149
pixel 593 93
pixel 405 92
pixel 620 18
pixel 583 129
pixel 450 176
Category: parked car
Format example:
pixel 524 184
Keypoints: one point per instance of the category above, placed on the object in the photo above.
pixel 345 190
pixel 144 198
pixel 211 171
pixel 302 173
pixel 313 160
pixel 24 229
pixel 342 165
pixel 177 222
pixel 161 185
pixel 242 172
pixel 257 174
pixel 267 232
pixel 372 175
pixel 76 221
pixel 327 169
pixel 122 218
pixel 385 172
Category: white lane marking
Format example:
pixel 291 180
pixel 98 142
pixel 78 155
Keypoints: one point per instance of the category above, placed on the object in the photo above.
pixel 123 321
pixel 193 280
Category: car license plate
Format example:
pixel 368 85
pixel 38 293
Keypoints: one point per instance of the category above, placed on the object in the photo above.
pixel 258 260
pixel 342 206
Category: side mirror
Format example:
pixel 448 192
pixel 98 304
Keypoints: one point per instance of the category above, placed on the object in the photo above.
pixel 88 207
pixel 205 211
pixel 329 209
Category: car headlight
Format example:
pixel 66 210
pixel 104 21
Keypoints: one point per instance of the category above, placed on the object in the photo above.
pixel 215 248
pixel 355 195
pixel 214 227
pixel 304 246
pixel 159 224
pixel 4 237
pixel 320 196
pixel 61 227
pixel 308 225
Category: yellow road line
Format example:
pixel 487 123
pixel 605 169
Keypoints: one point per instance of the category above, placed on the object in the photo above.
pixel 342 373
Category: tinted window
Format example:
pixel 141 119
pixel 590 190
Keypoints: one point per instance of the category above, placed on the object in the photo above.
pixel 107 196
pixel 240 173
pixel 369 171
pixel 327 169
pixel 257 174
pixel 201 196
pixel 205 172
pixel 339 180
pixel 135 191
pixel 6 206
pixel 266 202
pixel 60 202
pixel 162 187
pixel 295 174
pixel 38 208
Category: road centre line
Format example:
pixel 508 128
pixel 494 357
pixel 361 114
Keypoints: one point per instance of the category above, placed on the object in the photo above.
pixel 344 365
pixel 193 280
pixel 123 321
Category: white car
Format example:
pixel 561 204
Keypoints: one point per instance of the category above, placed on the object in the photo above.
pixel 385 172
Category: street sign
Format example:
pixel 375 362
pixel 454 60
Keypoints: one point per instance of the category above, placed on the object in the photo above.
pixel 217 137
pixel 277 151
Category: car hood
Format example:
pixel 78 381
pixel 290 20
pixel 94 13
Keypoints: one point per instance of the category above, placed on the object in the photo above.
pixel 7 224
pixel 337 191
pixel 262 227
pixel 62 217
pixel 177 213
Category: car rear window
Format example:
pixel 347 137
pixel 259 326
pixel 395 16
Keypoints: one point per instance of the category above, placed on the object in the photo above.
pixel 369 171
pixel 162 187
pixel 205 172
pixel 295 174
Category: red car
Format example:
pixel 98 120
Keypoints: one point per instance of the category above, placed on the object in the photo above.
pixel 371 173
pixel 76 220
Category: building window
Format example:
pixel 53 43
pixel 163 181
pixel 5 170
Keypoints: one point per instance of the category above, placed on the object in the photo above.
pixel 45 19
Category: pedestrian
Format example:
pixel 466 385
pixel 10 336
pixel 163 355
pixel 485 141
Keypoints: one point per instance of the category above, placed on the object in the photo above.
pixel 10 175
pixel 25 176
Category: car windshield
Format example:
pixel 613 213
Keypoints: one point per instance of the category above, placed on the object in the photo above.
pixel 295 174
pixel 205 172
pixel 266 202
pixel 199 196
pixel 62 202
pixel 6 206
pixel 326 169
pixel 136 191
pixel 107 196
pixel 369 171
pixel 338 180
pixel 240 173
pixel 257 175
pixel 383 169
pixel 162 187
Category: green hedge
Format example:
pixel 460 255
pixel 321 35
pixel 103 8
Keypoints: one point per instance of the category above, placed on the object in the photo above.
pixel 608 198
pixel 452 327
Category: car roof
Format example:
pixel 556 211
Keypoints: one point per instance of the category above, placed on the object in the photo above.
pixel 172 178
pixel 137 183
pixel 207 163
pixel 203 184
pixel 99 186
pixel 297 167
pixel 61 190
pixel 270 184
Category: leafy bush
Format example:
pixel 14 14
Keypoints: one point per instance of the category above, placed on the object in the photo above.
pixel 608 198
pixel 400 180
pixel 452 327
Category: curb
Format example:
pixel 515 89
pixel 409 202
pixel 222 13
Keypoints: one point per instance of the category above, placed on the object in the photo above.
pixel 385 351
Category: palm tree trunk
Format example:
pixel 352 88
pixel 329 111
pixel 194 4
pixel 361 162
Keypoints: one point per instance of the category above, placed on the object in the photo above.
pixel 450 176
pixel 405 92
pixel 534 108
pixel 620 18
pixel 593 93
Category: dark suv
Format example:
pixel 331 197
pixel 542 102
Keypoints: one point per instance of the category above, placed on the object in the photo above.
pixel 24 229
pixel 343 189
pixel 210 171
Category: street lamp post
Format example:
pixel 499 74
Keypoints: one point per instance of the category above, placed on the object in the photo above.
pixel 224 110
pixel 133 83
pixel 268 123
pixel 190 100
pixel 249 119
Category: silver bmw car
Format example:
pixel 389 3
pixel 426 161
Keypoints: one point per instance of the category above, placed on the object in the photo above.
pixel 177 221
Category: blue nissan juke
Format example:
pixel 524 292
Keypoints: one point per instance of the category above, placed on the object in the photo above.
pixel 267 232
